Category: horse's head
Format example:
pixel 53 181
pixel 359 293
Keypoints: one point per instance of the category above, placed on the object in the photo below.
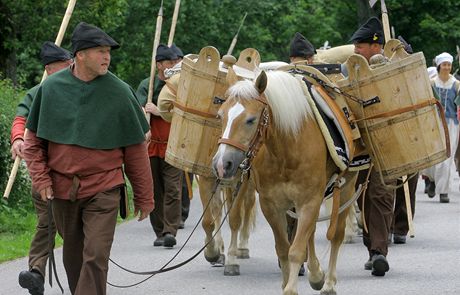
pixel 244 118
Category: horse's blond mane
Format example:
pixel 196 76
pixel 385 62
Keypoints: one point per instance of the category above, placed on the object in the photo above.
pixel 285 96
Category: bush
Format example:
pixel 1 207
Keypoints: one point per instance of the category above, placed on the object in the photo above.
pixel 19 198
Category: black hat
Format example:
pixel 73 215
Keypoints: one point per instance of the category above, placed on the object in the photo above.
pixel 301 47
pixel 370 32
pixel 165 53
pixel 50 53
pixel 177 51
pixel 88 36
pixel 407 46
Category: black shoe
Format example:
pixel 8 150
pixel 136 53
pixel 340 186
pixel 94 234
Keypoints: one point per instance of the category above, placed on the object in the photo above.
pixel 368 264
pixel 431 190
pixel 444 198
pixel 158 242
pixel 181 225
pixel 169 240
pixel 302 270
pixel 33 281
pixel 427 184
pixel 399 239
pixel 379 265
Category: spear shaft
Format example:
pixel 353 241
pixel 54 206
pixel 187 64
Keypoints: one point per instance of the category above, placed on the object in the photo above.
pixel 60 36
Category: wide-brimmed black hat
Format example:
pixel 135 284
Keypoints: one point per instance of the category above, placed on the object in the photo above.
pixel 165 53
pixel 301 47
pixel 370 32
pixel 177 51
pixel 88 36
pixel 50 53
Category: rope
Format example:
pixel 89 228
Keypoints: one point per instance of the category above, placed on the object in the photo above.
pixel 164 268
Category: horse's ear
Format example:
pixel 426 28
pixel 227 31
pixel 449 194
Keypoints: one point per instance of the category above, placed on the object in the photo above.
pixel 232 78
pixel 261 82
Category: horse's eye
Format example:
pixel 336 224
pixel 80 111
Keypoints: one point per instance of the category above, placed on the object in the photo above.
pixel 251 120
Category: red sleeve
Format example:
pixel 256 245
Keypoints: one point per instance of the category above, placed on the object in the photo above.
pixel 17 130
pixel 137 168
pixel 36 156
pixel 458 113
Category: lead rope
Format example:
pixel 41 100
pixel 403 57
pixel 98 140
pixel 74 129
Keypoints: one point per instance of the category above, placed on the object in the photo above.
pixel 164 268
pixel 51 261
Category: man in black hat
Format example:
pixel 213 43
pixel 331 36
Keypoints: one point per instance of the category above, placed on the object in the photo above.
pixel 301 50
pixel 378 211
pixel 84 124
pixel 54 59
pixel 167 179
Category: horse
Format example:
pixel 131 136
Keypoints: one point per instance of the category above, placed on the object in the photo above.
pixel 291 167
pixel 241 219
pixel 242 215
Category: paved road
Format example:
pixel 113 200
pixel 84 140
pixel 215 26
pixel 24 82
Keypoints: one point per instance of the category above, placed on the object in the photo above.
pixel 428 264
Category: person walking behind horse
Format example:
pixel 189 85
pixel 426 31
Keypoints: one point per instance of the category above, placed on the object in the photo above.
pixel 301 52
pixel 400 223
pixel 54 59
pixel 84 124
pixel 379 200
pixel 447 89
pixel 185 199
pixel 167 179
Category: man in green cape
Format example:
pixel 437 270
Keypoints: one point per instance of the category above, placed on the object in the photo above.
pixel 85 123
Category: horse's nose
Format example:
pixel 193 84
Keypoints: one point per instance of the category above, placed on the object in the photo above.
pixel 223 165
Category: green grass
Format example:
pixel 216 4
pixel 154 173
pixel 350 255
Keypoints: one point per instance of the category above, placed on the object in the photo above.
pixel 17 228
pixel 16 232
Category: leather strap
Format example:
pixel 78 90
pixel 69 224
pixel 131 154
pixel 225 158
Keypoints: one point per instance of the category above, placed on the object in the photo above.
pixel 426 103
pixel 193 111
pixel 233 143
pixel 51 260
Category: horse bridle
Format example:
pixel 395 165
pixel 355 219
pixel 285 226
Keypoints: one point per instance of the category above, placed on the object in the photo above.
pixel 256 142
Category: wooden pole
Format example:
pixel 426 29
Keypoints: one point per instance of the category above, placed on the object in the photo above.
pixel 156 42
pixel 172 31
pixel 232 45
pixel 385 22
pixel 60 36
pixel 408 206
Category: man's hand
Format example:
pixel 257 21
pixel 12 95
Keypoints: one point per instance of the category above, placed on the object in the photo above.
pixel 16 148
pixel 46 194
pixel 142 213
pixel 148 136
pixel 151 108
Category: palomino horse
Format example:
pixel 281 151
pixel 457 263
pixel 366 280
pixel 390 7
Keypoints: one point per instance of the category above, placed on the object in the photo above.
pixel 241 220
pixel 291 169
pixel 241 217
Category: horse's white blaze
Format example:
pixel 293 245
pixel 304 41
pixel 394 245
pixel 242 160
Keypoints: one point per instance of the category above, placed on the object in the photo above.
pixel 233 113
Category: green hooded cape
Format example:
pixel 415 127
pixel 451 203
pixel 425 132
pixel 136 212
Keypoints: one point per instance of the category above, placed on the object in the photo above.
pixel 100 114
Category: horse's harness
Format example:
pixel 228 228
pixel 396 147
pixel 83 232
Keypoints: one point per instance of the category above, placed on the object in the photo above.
pixel 257 140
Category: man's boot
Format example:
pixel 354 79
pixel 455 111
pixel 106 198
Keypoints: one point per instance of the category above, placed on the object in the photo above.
pixel 32 281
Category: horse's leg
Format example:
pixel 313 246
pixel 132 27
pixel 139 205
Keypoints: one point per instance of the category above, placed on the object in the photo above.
pixel 331 276
pixel 276 218
pixel 249 214
pixel 315 273
pixel 306 224
pixel 211 253
pixel 232 267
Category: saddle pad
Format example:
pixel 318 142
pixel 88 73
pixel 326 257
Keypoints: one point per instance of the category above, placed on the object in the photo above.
pixel 335 128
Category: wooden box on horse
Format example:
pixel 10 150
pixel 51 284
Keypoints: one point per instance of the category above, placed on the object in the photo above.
pixel 195 128
pixel 397 114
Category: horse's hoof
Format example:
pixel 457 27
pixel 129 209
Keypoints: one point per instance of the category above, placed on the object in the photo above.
pixel 328 292
pixel 220 261
pixel 232 270
pixel 243 253
pixel 317 285
pixel 211 259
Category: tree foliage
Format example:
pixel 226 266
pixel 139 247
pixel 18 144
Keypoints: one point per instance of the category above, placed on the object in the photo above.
pixel 428 25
